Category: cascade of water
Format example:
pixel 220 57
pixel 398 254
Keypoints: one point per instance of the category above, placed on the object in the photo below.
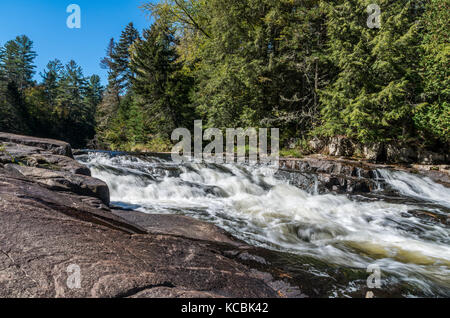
pixel 416 186
pixel 252 204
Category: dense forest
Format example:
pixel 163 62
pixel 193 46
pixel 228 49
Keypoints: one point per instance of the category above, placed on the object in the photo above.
pixel 309 67
pixel 61 106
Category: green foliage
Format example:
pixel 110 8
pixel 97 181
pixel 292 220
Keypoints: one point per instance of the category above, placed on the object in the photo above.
pixel 159 82
pixel 261 64
pixel 16 62
pixel 157 101
pixel 118 59
pixel 432 117
pixel 62 106
pixel 14 117
pixel 291 153
pixel 309 67
pixel 375 91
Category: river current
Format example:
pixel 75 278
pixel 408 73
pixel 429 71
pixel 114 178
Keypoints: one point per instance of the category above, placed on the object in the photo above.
pixel 390 228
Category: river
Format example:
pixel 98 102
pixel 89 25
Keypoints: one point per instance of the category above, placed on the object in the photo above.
pixel 390 228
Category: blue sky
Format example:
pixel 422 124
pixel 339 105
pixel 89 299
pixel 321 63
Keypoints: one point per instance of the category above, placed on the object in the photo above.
pixel 44 21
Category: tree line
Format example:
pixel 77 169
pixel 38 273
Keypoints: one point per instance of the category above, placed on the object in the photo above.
pixel 308 67
pixel 62 105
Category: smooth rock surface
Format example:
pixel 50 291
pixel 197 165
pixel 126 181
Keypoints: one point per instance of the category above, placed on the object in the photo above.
pixel 55 218
pixel 178 225
pixel 44 232
pixel 54 146
pixel 65 181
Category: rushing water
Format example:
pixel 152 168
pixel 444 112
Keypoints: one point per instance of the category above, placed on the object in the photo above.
pixel 386 228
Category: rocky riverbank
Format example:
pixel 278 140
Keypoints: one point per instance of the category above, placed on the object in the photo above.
pixel 341 175
pixel 55 215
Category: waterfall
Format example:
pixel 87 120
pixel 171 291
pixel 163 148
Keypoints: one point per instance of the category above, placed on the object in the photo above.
pixel 416 186
pixel 254 205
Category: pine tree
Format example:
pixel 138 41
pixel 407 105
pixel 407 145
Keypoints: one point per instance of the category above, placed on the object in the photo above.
pixel 120 75
pixel 75 114
pixel 50 79
pixel 93 97
pixel 375 91
pixel 159 84
pixel 17 62
pixel 109 64
pixel 432 117
pixel 120 58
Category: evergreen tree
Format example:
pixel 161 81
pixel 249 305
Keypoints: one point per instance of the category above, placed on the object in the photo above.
pixel 120 75
pixel 16 62
pixel 374 93
pixel 50 79
pixel 120 58
pixel 108 64
pixel 93 97
pixel 13 115
pixel 74 113
pixel 61 107
pixel 433 116
pixel 159 83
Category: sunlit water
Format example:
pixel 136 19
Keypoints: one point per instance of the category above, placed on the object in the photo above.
pixel 256 205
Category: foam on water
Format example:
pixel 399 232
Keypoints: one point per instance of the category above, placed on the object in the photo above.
pixel 256 206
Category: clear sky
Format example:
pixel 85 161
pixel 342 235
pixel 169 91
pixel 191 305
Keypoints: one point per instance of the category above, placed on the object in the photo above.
pixel 44 21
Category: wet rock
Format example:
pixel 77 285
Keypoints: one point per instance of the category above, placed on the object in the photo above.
pixel 321 174
pixel 342 184
pixel 53 146
pixel 79 152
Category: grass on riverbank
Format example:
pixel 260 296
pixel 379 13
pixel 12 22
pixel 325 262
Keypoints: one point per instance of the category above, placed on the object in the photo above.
pixel 162 146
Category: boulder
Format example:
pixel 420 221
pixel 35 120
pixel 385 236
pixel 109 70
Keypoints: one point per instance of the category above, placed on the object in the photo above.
pixel 324 174
pixel 57 162
pixel 373 152
pixel 399 154
pixel 340 146
pixel 317 145
pixel 432 158
pixel 65 181
pixel 53 146
pixel 37 157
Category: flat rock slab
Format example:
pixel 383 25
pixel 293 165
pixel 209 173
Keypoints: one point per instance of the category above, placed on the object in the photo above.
pixel 178 225
pixel 45 234
pixel 54 146
pixel 40 158
pixel 65 181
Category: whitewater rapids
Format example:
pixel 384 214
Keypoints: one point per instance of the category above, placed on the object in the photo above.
pixel 256 205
